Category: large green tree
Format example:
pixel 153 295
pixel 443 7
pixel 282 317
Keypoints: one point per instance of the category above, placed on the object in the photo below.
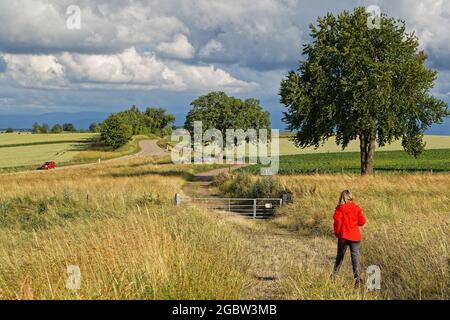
pixel 220 111
pixel 364 83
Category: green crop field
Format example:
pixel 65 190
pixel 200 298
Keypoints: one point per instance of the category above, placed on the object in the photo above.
pixel 24 138
pixel 437 160
pixel 25 149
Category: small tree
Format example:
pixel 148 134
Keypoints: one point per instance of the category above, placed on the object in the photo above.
pixel 157 121
pixel 44 128
pixel 69 127
pixel 361 83
pixel 115 131
pixel 36 128
pixel 57 128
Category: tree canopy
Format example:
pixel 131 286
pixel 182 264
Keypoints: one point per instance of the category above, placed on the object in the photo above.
pixel 151 121
pixel 94 127
pixel 116 132
pixel 361 83
pixel 134 122
pixel 69 127
pixel 57 128
pixel 220 111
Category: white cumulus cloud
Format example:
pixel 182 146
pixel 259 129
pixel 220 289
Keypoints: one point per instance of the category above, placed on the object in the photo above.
pixel 180 48
pixel 126 70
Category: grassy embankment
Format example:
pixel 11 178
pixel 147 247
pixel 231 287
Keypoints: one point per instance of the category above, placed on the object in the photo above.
pixel 117 222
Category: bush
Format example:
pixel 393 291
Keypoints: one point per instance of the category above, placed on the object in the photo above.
pixel 244 185
pixel 94 127
pixel 69 127
pixel 57 128
pixel 115 131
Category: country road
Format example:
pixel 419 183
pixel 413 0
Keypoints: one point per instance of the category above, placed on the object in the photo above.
pixel 150 148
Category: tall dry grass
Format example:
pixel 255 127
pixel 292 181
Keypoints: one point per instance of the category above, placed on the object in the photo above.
pixel 116 221
pixel 407 232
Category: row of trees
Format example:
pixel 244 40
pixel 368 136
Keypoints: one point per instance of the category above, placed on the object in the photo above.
pixel 57 128
pixel 215 110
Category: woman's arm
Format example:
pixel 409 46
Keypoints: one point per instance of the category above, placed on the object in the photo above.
pixel 361 218
pixel 337 223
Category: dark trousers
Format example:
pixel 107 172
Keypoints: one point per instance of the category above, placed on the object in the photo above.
pixel 354 252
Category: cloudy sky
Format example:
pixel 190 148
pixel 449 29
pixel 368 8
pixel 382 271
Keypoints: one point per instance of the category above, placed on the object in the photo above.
pixel 167 52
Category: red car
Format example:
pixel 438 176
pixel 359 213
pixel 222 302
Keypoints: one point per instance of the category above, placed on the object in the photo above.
pixel 48 165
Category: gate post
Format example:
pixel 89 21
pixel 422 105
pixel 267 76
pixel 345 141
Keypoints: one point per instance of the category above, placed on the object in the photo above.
pixel 177 199
pixel 254 208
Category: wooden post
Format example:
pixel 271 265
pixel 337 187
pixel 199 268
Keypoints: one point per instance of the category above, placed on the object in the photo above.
pixel 177 199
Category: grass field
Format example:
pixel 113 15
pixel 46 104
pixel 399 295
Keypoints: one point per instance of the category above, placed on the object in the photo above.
pixel 26 150
pixel 117 222
pixel 24 138
pixel 287 147
pixel 37 154
pixel 406 234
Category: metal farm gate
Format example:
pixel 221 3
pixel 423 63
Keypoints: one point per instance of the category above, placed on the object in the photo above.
pixel 256 208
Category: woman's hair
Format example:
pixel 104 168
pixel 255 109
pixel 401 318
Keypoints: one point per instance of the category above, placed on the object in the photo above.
pixel 345 197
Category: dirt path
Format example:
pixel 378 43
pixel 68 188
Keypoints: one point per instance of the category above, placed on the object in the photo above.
pixel 200 184
pixel 274 250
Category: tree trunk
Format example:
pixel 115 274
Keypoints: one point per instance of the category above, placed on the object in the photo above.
pixel 367 146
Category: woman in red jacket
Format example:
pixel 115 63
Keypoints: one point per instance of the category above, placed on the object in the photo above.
pixel 348 217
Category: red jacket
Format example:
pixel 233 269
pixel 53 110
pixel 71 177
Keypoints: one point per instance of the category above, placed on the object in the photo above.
pixel 347 220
